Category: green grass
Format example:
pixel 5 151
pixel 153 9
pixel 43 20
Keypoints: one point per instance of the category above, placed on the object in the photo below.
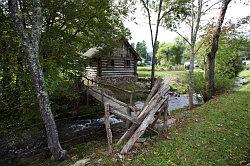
pixel 164 74
pixel 145 71
pixel 178 78
pixel 216 133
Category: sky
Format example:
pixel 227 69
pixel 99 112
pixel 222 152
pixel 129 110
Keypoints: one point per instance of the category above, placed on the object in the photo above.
pixel 140 30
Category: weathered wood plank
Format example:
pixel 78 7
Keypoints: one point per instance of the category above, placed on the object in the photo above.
pixel 141 129
pixel 153 91
pixel 155 102
pixel 116 107
pixel 107 126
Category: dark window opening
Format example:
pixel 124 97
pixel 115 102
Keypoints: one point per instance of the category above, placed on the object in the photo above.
pixel 112 62
pixel 127 63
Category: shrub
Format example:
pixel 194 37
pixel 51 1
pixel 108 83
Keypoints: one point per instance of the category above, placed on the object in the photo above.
pixel 166 64
pixel 222 84
pixel 177 68
pixel 247 67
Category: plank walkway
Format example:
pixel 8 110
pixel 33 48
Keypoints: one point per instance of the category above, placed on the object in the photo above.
pixel 116 107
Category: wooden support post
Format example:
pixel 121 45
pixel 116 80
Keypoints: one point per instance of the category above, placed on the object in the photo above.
pixel 131 99
pixel 165 114
pixel 141 129
pixel 157 117
pixel 155 103
pixel 128 123
pixel 87 95
pixel 102 96
pixel 108 129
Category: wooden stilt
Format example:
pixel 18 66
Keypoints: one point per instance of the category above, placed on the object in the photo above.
pixel 87 95
pixel 165 114
pixel 108 129
pixel 128 123
pixel 140 130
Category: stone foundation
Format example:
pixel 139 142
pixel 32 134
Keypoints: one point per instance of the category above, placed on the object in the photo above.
pixel 117 79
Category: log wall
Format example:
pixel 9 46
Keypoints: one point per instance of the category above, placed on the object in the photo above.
pixel 123 63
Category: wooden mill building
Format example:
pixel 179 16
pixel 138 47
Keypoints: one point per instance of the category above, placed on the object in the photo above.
pixel 116 66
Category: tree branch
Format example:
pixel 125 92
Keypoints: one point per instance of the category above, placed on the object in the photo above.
pixel 199 47
pixel 181 36
pixel 211 6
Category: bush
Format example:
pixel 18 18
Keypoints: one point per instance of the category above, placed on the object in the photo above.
pixel 166 64
pixel 222 84
pixel 177 68
pixel 247 67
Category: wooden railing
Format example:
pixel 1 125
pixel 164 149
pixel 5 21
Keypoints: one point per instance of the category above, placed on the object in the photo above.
pixel 131 94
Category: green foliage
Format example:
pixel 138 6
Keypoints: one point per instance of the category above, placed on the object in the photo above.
pixel 176 12
pixel 69 28
pixel 222 84
pixel 215 133
pixel 228 60
pixel 247 67
pixel 141 49
pixel 170 54
pixel 232 47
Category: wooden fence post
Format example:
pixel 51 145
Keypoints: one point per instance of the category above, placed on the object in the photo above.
pixel 102 97
pixel 87 95
pixel 108 129
pixel 165 114
pixel 128 123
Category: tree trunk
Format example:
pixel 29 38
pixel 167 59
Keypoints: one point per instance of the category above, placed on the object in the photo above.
pixel 194 31
pixel 214 47
pixel 191 78
pixel 153 38
pixel 44 104
pixel 153 71
pixel 211 76
pixel 31 45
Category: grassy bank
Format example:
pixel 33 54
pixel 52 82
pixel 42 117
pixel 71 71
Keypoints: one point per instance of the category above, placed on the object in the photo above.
pixel 216 133
pixel 145 71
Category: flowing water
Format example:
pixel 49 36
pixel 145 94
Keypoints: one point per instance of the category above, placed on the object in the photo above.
pixel 73 131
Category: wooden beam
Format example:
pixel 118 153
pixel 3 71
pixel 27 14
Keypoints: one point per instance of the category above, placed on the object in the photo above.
pixel 141 129
pixel 154 90
pixel 108 129
pixel 155 102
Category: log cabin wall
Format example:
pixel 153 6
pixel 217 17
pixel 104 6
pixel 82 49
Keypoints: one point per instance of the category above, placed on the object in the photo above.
pixel 92 69
pixel 123 63
pixel 121 66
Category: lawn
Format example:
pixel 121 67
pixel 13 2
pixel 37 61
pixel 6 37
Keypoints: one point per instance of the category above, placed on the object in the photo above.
pixel 216 133
pixel 144 71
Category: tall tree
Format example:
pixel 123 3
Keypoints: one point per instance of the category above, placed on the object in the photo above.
pixel 30 41
pixel 194 24
pixel 214 47
pixel 146 5
pixel 198 9
pixel 141 49
pixel 170 53
pixel 165 9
